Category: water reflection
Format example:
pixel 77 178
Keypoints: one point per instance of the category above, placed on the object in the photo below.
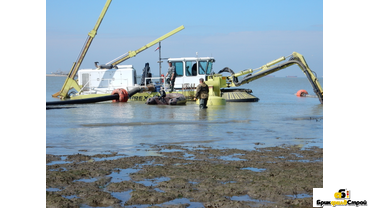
pixel 203 114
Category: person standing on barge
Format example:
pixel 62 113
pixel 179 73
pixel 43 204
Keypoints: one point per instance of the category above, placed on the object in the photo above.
pixel 172 73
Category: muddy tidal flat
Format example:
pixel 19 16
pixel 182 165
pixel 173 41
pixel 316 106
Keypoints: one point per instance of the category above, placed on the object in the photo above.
pixel 182 176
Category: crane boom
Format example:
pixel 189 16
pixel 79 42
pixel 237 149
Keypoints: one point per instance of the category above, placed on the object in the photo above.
pixel 70 81
pixel 131 54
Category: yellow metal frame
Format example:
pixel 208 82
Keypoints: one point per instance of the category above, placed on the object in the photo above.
pixel 218 82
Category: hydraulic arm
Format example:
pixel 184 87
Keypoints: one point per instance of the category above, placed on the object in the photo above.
pixel 271 67
pixel 70 81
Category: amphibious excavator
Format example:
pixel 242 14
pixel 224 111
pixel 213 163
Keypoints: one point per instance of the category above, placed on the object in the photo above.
pixel 221 83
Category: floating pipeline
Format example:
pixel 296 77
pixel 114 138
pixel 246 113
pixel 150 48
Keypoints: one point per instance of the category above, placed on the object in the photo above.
pixel 170 99
pixel 118 95
pixel 85 101
pixel 302 93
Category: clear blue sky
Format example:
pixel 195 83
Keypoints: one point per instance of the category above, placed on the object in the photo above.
pixel 239 34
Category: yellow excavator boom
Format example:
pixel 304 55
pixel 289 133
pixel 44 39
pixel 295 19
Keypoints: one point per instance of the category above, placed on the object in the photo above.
pixel 131 54
pixel 271 67
pixel 70 81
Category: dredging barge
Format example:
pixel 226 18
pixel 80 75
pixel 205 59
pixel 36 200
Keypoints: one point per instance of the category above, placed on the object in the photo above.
pixel 118 80
pixel 102 82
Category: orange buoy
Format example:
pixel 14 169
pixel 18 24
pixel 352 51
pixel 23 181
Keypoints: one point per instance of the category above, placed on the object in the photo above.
pixel 122 93
pixel 302 93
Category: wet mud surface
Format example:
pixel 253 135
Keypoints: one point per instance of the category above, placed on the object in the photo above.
pixel 181 176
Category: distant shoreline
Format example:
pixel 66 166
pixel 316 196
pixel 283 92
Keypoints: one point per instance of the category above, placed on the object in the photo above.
pixel 56 75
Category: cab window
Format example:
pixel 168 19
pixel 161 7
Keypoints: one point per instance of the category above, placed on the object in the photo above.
pixel 205 67
pixel 202 67
pixel 209 68
pixel 191 68
pixel 179 69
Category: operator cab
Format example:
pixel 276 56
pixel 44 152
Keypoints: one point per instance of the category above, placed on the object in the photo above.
pixel 189 70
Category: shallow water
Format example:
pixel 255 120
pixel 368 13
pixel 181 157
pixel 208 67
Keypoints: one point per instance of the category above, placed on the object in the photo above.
pixel 278 118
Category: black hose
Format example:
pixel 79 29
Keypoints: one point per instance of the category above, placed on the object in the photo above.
pixel 85 101
pixel 98 99
pixel 226 69
pixel 53 108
